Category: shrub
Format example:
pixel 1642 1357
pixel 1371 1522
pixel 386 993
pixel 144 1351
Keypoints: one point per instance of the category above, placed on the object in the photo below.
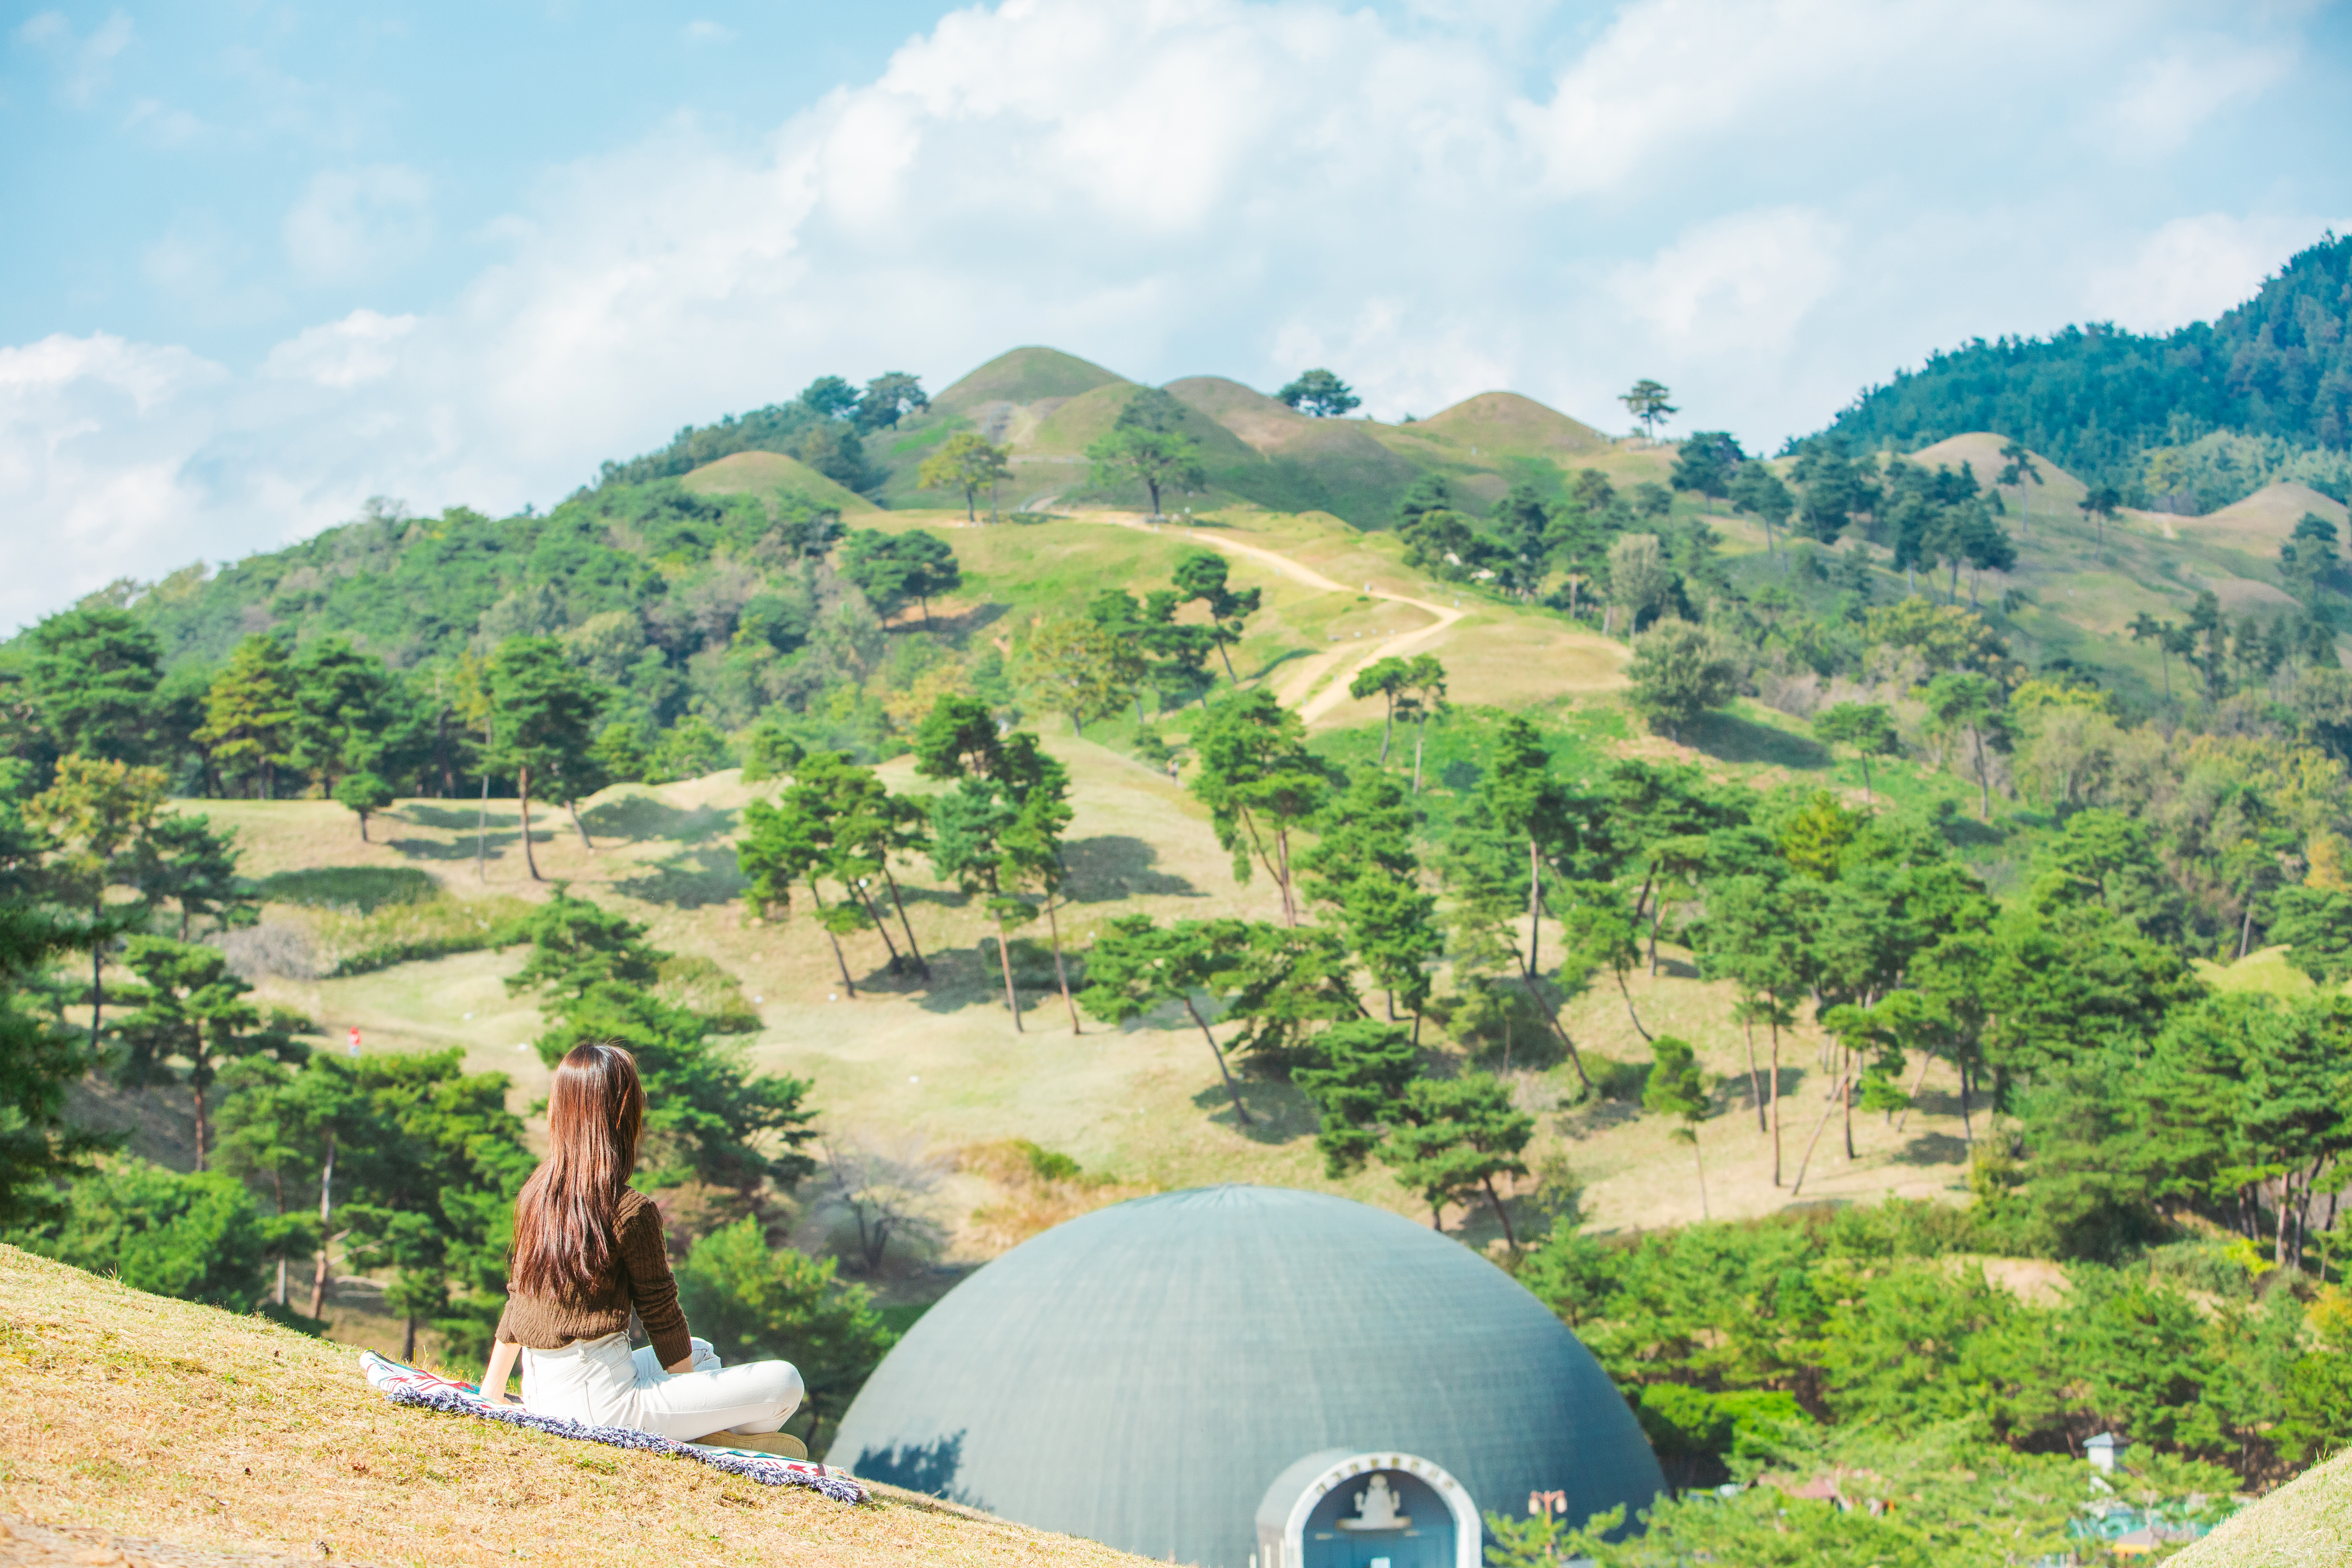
pixel 199 1238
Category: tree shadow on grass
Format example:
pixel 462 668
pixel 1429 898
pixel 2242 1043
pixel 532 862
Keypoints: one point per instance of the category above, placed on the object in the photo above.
pixel 955 629
pixel 1114 866
pixel 452 818
pixel 687 881
pixel 637 817
pixel 1279 1112
pixel 1265 671
pixel 1728 737
pixel 496 841
pixel 1933 1149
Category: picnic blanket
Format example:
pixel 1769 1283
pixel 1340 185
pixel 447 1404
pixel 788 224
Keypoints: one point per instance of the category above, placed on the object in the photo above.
pixel 411 1385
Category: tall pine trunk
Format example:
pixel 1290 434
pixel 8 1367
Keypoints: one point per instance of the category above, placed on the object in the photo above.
pixel 922 965
pixel 1232 1089
pixel 326 1214
pixel 1755 1084
pixel 1004 962
pixel 523 787
pixel 1501 1214
pixel 586 842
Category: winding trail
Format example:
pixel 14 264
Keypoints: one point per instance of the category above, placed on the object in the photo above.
pixel 1299 689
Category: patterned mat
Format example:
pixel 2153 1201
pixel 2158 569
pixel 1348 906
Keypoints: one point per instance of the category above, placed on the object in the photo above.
pixel 408 1385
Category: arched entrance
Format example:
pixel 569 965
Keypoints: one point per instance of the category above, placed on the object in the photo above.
pixel 1341 1509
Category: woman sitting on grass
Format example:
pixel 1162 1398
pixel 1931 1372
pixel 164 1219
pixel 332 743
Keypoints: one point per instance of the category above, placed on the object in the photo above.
pixel 588 1250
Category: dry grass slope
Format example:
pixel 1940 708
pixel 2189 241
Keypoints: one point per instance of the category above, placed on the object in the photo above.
pixel 2308 1523
pixel 146 1418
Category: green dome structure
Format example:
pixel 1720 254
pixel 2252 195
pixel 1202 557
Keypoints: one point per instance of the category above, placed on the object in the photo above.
pixel 1250 1377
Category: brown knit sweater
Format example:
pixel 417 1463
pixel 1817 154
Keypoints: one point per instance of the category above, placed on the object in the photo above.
pixel 638 1277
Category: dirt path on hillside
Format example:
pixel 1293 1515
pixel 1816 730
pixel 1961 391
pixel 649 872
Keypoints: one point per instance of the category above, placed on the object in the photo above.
pixel 1299 691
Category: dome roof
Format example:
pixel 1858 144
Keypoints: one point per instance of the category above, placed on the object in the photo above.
pixel 1140 1375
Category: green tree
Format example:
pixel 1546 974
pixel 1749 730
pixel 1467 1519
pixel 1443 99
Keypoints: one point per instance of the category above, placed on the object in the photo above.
pixel 1833 489
pixel 969 828
pixel 1135 965
pixel 1424 699
pixel 39 1064
pixel 1758 489
pixel 365 794
pixel 1647 403
pixel 1389 679
pixel 2017 471
pixel 199 1238
pixel 889 396
pixel 182 861
pixel 892 569
pixel 93 679
pixel 796 838
pixel 1032 849
pixel 543 715
pixel 250 712
pixel 1680 671
pixel 1259 782
pixel 1958 702
pixel 342 709
pixel 1081 669
pixel 1357 1084
pixel 2100 504
pixel 1708 461
pixel 96 810
pixel 755 1301
pixel 1319 395
pixel 708 1119
pixel 1363 866
pixel 192 1010
pixel 1452 1138
pixel 1202 576
pixel 1146 444
pixel 1677 1087
pixel 966 462
pixel 433 1178
pixel 1867 727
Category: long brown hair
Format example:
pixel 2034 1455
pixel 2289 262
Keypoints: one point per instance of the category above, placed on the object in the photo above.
pixel 567 1213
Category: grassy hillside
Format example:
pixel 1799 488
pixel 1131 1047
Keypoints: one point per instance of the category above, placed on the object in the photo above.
pixel 2304 1524
pixel 130 1415
pixel 771 475
pixel 1023 375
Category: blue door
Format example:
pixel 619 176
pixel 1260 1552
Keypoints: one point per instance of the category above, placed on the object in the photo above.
pixel 1384 1519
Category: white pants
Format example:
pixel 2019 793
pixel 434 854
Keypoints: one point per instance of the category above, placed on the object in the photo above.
pixel 604 1384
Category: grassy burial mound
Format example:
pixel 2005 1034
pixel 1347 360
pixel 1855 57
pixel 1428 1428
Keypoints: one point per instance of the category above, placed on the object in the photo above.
pixel 144 1417
pixel 2267 518
pixel 774 477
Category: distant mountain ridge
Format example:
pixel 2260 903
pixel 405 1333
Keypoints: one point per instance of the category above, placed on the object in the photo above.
pixel 2104 401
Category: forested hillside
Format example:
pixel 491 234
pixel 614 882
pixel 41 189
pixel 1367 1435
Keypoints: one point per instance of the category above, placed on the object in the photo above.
pixel 2191 421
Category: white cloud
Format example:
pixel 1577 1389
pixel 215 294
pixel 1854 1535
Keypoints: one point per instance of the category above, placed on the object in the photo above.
pixel 83 65
pixel 703 31
pixel 1738 284
pixel 2161 105
pixel 2194 267
pixel 360 348
pixel 359 223
pixel 93 432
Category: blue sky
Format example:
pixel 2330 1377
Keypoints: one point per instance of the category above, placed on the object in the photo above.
pixel 263 261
